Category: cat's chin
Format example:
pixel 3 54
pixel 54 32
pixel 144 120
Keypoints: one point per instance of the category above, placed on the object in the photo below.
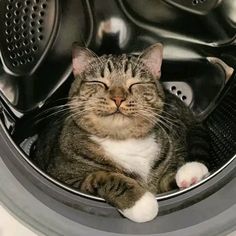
pixel 120 115
pixel 114 124
pixel 117 118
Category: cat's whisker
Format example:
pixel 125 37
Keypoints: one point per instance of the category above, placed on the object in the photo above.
pixel 52 114
pixel 80 112
pixel 164 124
pixel 77 113
pixel 57 111
pixel 57 100
pixel 155 122
pixel 161 111
pixel 157 119
pixel 149 117
pixel 50 103
pixel 51 109
pixel 165 119
pixel 144 117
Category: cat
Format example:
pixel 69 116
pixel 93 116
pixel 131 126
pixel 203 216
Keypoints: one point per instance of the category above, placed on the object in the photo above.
pixel 126 138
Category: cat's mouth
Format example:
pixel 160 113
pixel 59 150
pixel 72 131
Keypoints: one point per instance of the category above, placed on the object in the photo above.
pixel 118 112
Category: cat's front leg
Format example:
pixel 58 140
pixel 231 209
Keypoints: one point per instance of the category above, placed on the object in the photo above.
pixel 127 195
pixel 190 174
pixel 194 170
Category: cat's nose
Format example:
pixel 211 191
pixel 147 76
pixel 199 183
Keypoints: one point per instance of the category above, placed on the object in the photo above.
pixel 118 100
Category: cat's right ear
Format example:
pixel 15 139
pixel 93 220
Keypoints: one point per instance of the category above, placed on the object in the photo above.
pixel 81 57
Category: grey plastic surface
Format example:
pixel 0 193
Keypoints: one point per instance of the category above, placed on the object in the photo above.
pixel 199 31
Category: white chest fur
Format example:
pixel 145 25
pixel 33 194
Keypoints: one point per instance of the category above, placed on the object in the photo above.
pixel 135 155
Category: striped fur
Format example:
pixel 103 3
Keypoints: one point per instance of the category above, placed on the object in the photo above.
pixel 122 152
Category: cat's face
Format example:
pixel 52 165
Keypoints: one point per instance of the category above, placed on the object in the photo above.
pixel 117 96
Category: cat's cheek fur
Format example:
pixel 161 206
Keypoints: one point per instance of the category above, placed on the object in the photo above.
pixel 145 209
pixel 191 173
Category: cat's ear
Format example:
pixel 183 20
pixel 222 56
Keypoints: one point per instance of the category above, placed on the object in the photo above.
pixel 81 57
pixel 152 58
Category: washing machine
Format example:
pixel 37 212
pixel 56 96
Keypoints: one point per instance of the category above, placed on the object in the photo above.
pixel 199 38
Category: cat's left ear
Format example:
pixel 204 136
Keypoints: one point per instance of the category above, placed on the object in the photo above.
pixel 152 58
pixel 81 57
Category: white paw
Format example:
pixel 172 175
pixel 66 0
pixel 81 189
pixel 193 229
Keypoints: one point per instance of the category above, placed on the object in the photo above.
pixel 190 173
pixel 145 209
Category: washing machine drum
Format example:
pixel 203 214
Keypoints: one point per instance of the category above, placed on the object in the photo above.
pixel 199 62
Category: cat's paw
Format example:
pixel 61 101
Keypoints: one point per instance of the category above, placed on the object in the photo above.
pixel 145 209
pixel 190 173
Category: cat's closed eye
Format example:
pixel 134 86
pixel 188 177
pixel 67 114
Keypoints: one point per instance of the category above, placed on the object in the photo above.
pixel 94 83
pixel 140 85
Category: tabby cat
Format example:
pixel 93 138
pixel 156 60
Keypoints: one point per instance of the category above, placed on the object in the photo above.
pixel 126 138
